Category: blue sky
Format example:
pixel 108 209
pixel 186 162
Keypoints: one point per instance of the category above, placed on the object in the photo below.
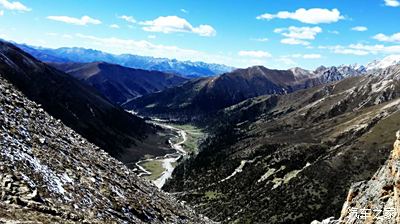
pixel 278 34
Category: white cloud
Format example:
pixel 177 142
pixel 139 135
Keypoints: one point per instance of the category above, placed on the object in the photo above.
pixel 392 3
pixel 184 11
pixel 334 32
pixel 384 38
pixel 348 50
pixel 255 54
pixel 292 41
pixel 310 16
pixel 304 33
pixel 376 49
pixel 287 61
pixel 361 49
pixel 66 36
pixel 151 36
pixel 1 13
pixel 114 26
pixel 306 56
pixel 175 24
pixel 359 28
pixel 312 56
pixel 17 6
pixel 298 35
pixel 83 21
pixel 52 34
pixel 264 39
pixel 205 30
pixel 128 19
pixel 351 51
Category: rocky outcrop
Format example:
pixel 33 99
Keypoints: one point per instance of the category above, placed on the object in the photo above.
pixel 50 174
pixel 376 200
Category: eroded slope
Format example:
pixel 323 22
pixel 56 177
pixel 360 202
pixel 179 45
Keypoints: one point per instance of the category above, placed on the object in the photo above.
pixel 50 174
pixel 292 158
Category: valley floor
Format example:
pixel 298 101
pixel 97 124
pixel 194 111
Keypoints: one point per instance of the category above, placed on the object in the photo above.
pixel 184 142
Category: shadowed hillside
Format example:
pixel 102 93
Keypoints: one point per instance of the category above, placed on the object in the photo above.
pixel 303 150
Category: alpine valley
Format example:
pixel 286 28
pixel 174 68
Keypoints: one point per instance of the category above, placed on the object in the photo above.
pixel 192 113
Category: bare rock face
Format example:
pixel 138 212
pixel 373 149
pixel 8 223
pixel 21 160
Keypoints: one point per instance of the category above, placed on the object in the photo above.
pixel 50 174
pixel 376 200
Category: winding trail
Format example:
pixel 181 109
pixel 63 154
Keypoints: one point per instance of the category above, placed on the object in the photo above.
pixel 169 159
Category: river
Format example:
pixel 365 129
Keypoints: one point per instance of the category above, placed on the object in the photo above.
pixel 168 160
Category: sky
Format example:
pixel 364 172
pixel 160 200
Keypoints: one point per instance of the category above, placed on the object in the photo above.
pixel 278 34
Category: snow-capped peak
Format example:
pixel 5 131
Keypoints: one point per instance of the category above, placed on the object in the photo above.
pixel 358 67
pixel 384 63
pixel 300 72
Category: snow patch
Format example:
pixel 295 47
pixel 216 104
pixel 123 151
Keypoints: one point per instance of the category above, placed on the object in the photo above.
pixel 239 169
pixel 51 179
pixel 269 173
pixel 66 179
pixel 391 104
pixel 384 63
pixel 380 86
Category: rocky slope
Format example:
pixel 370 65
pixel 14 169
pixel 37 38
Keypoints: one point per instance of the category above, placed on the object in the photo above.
pixel 376 200
pixel 333 73
pixel 117 83
pixel 185 68
pixel 79 106
pixel 292 158
pixel 50 174
pixel 200 98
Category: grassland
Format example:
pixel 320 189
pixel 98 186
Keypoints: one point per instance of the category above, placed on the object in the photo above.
pixel 194 134
pixel 153 166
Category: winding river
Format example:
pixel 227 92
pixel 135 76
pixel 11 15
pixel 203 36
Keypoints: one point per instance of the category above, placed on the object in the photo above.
pixel 168 160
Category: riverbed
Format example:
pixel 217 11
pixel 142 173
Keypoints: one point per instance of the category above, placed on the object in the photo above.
pixel 168 161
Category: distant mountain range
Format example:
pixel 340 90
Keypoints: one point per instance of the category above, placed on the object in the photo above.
pixel 188 69
pixel 117 83
pixel 79 106
pixel 205 96
pixel 82 55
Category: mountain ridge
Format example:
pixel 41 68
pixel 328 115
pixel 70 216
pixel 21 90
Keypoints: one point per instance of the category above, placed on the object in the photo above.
pixel 383 63
pixel 185 68
pixel 208 95
pixel 79 106
pixel 50 174
pixel 302 149
pixel 117 83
